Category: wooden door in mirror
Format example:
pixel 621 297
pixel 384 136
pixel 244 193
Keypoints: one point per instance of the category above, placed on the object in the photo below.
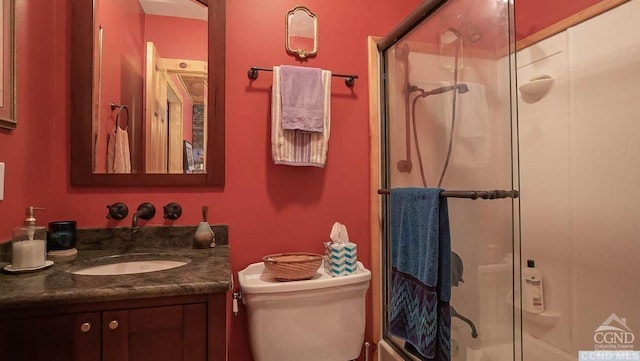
pixel 83 95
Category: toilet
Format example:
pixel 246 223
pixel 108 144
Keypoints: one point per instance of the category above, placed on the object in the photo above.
pixel 320 319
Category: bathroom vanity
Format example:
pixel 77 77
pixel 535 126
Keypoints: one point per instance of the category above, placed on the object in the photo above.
pixel 171 328
pixel 173 314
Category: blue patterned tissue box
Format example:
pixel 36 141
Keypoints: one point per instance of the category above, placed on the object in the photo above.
pixel 340 259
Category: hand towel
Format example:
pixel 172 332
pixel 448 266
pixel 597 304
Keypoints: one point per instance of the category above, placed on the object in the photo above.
pixel 471 143
pixel 421 271
pixel 302 98
pixel 297 148
pixel 118 156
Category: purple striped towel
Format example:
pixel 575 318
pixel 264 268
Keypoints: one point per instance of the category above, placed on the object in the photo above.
pixel 294 147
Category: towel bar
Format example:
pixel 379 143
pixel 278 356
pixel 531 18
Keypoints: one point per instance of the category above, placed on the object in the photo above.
pixel 495 194
pixel 349 78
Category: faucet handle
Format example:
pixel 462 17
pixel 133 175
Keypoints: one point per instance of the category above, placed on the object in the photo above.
pixel 117 211
pixel 172 211
pixel 146 211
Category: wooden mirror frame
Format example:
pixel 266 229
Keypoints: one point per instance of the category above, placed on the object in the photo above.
pixel 8 43
pixel 82 56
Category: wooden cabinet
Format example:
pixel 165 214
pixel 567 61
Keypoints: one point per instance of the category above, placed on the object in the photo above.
pixel 189 329
pixel 58 337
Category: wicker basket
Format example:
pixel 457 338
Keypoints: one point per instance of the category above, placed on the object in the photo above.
pixel 292 266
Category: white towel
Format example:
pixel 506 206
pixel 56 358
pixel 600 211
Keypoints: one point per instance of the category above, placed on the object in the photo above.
pixel 299 148
pixel 118 157
pixel 471 146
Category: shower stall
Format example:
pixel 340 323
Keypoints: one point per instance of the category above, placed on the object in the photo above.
pixel 551 143
pixel 447 105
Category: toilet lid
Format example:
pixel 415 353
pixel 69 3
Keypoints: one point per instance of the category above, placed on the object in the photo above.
pixel 254 279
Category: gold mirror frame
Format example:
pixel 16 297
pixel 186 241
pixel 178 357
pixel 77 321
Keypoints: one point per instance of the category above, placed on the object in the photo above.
pixel 8 83
pixel 292 14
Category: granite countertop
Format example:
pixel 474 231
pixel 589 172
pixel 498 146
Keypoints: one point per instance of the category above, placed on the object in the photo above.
pixel 208 272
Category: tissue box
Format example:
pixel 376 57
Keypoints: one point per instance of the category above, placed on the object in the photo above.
pixel 340 259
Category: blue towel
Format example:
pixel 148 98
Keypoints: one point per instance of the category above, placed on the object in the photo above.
pixel 421 271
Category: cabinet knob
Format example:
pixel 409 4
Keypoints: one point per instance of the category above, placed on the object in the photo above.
pixel 85 327
pixel 113 324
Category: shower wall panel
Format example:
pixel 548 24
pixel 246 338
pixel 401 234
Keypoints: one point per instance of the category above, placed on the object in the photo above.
pixel 580 172
pixel 545 182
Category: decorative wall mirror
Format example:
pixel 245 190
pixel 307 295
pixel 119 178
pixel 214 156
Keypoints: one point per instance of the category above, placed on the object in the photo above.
pixel 302 32
pixel 133 74
pixel 7 65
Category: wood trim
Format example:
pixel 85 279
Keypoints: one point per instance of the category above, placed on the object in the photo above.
pixel 575 19
pixel 374 176
pixel 183 66
pixel 215 117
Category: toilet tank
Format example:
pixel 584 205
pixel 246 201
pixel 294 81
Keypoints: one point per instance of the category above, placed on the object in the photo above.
pixel 320 319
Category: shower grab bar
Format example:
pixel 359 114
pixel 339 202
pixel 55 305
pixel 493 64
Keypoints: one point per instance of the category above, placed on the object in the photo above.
pixel 474 331
pixel 349 81
pixel 495 194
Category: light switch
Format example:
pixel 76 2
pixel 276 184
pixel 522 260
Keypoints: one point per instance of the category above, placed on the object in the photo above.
pixel 1 181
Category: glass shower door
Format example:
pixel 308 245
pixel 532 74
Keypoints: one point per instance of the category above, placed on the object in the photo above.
pixel 448 106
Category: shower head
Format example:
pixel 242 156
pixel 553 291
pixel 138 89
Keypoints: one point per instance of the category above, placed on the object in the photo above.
pixel 468 28
pixel 462 88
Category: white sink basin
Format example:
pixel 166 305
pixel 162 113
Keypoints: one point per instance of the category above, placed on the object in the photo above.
pixel 129 264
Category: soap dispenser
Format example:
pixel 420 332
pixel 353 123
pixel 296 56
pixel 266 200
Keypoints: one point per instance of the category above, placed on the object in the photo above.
pixel 29 244
pixel 204 236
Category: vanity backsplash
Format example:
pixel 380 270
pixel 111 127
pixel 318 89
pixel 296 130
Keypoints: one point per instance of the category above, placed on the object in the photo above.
pixel 143 237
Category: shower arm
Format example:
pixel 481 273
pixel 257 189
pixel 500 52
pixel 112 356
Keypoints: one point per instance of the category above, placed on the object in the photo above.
pixel 474 331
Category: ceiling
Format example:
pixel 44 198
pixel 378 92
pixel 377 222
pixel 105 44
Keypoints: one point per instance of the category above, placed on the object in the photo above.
pixel 190 9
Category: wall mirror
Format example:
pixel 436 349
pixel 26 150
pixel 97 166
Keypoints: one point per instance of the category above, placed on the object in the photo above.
pixel 7 64
pixel 156 68
pixel 302 32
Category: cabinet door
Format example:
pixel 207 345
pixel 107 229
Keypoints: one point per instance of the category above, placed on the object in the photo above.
pixel 171 333
pixel 74 337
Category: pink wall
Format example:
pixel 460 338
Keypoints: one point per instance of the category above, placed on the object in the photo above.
pixel 33 155
pixel 268 208
pixel 122 69
pixel 535 15
pixel 177 37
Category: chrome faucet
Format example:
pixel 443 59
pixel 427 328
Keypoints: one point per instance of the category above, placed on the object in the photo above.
pixel 145 211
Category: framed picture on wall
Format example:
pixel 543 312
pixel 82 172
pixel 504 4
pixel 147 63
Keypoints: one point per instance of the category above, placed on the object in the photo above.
pixel 188 164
